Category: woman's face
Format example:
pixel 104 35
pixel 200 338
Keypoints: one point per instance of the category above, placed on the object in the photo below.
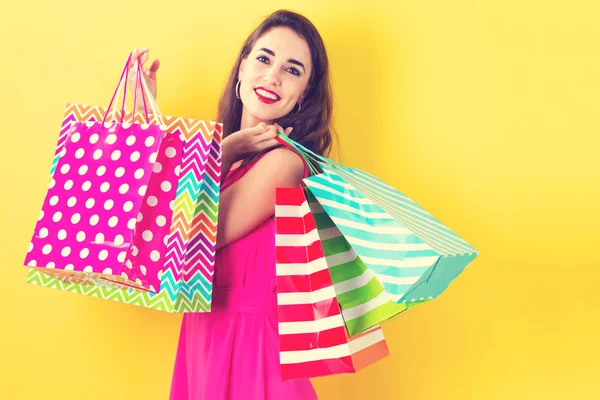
pixel 274 76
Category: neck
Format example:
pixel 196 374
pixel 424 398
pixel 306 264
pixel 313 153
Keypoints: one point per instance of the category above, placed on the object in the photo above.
pixel 249 120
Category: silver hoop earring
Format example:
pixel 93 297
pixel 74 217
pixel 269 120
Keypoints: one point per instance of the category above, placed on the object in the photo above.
pixel 299 108
pixel 237 89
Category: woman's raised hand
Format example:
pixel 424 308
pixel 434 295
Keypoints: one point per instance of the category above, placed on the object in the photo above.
pixel 148 73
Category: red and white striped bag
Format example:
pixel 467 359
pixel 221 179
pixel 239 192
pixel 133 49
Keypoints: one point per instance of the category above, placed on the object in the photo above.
pixel 312 336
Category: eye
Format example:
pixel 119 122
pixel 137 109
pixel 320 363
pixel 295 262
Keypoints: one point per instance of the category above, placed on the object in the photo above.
pixel 294 71
pixel 263 59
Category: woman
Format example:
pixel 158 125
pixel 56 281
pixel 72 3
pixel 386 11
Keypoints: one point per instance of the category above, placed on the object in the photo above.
pixel 281 78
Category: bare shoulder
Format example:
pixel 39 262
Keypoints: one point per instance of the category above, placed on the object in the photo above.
pixel 284 166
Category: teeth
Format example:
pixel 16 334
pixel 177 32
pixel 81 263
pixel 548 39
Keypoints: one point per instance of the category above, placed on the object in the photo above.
pixel 267 94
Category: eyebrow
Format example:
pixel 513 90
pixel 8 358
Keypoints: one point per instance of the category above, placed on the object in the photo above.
pixel 291 60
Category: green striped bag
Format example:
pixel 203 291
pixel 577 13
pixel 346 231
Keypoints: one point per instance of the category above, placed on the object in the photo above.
pixel 361 297
pixel 403 254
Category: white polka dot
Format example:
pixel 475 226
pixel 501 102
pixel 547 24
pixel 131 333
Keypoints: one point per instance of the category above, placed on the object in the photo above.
pixel 147 235
pixel 32 263
pixel 99 238
pixel 84 253
pixel 80 236
pixel 159 274
pixel 172 205
pixel 166 240
pixel 124 188
pixel 139 173
pixel 108 204
pixel 83 170
pixel 138 281
pixel 140 217
pixel 121 256
pixel 86 186
pixel 62 152
pixel 119 172
pixel 152 201
pixel 103 255
pixel 30 247
pixel 113 221
pixel 94 219
pixel 90 203
pixel 52 183
pixel 165 186
pixel 88 269
pixel 107 271
pixel 157 167
pixel 130 140
pixel 134 250
pixel 75 137
pixel 104 187
pixel 53 200
pixel 72 201
pixel 101 170
pixel 142 190
pixel 43 233
pixel 47 249
pixel 65 168
pixel 170 152
pixel 152 158
pixel 124 275
pixel 115 155
pixel 75 218
pixel 41 215
pixel 135 156
pixel 57 216
pixel 128 206
pixel 94 138
pixel 143 270
pixel 97 154
pixel 161 220
pixel 65 251
pixel 119 240
pixel 149 141
pixel 69 267
pixel 52 265
pixel 68 185
pixel 131 223
pixel 79 153
pixel 111 139
pixel 62 234
pixel 155 255
pixel 177 170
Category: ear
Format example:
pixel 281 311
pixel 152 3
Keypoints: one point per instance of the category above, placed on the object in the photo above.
pixel 241 69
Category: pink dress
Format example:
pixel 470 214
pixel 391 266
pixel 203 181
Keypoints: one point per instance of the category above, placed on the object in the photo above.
pixel 232 352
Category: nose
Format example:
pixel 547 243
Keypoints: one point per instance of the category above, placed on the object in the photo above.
pixel 272 76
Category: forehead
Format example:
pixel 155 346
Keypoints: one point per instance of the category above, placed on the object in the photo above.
pixel 286 43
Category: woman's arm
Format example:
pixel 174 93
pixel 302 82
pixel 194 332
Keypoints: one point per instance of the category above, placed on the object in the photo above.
pixel 251 200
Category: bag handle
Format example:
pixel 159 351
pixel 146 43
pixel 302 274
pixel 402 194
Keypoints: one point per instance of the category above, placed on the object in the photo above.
pixel 140 83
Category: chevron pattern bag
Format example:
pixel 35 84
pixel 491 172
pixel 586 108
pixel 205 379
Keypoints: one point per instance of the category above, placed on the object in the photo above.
pixel 385 253
pixel 181 279
pixel 312 337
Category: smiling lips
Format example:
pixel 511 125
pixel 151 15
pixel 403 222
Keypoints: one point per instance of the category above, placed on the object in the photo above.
pixel 266 96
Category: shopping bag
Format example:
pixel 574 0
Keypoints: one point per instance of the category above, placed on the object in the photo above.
pixel 410 254
pixel 175 199
pixel 312 336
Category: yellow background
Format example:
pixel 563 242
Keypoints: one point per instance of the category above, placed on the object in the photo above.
pixel 484 112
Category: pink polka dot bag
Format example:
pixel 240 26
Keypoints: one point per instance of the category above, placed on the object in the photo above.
pixel 122 205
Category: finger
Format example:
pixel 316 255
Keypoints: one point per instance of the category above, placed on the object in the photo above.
pixel 269 133
pixel 279 128
pixel 288 131
pixel 152 69
pixel 267 144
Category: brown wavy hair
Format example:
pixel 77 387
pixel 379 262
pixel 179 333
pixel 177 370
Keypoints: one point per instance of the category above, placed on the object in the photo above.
pixel 312 124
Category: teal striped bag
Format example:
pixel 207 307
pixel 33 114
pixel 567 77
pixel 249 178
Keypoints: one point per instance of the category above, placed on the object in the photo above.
pixel 384 252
